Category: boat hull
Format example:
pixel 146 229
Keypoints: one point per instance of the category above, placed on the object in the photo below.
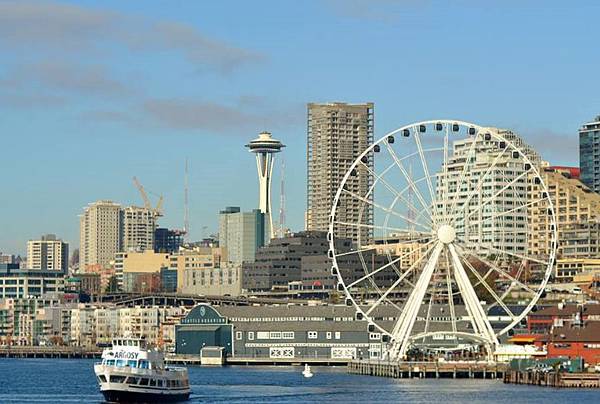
pixel 122 396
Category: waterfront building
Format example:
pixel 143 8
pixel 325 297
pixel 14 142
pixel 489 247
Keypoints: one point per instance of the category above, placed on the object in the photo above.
pixel 167 240
pixel 48 253
pixel 83 326
pixel 265 147
pixel 138 229
pixel 281 332
pixel 241 234
pixel 100 234
pixel 17 282
pixel 575 205
pixel 337 134
pixel 589 154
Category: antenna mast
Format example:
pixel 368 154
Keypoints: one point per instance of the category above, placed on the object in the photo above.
pixel 282 201
pixel 186 206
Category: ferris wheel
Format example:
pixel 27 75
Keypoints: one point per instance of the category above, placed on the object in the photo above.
pixel 455 236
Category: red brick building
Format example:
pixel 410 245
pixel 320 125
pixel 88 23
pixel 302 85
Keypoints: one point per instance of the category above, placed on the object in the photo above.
pixel 541 321
pixel 573 341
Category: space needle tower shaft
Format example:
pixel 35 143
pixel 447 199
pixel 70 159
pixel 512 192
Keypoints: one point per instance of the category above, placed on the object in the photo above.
pixel 264 147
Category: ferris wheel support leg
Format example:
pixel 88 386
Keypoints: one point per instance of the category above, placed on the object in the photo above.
pixel 480 321
pixel 404 325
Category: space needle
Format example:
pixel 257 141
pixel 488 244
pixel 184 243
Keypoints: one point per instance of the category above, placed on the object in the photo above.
pixel 264 146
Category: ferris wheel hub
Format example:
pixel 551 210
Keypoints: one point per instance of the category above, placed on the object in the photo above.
pixel 446 234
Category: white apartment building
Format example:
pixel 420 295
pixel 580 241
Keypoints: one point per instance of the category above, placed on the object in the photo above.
pixel 48 253
pixel 100 234
pixel 139 225
pixel 479 224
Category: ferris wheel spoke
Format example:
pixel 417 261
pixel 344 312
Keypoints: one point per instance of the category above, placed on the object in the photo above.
pixel 394 191
pixel 479 319
pixel 465 205
pixel 392 262
pixel 462 175
pixel 360 250
pixel 409 179
pixel 424 164
pixel 500 271
pixel 450 293
pixel 490 290
pixel 406 321
pixel 497 194
pixel 383 208
pixel 444 188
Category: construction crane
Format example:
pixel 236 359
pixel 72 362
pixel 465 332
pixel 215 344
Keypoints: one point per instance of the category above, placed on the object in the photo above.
pixel 156 210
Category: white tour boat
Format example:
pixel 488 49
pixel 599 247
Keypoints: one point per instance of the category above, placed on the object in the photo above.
pixel 130 371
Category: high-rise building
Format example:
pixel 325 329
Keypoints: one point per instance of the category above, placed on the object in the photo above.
pixel 589 154
pixel 485 229
pixel 138 228
pixel 264 147
pixel 100 234
pixel 48 253
pixel 337 134
pixel 241 233
pixel 576 208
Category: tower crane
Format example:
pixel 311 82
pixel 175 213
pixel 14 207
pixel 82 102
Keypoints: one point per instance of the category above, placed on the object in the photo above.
pixel 156 210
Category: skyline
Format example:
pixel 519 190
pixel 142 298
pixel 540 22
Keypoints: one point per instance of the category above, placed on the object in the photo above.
pixel 77 128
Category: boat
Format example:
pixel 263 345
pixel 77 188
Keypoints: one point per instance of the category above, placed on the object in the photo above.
pixel 131 371
pixel 307 372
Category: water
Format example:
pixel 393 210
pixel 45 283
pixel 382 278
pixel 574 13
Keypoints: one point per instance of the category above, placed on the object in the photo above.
pixel 73 381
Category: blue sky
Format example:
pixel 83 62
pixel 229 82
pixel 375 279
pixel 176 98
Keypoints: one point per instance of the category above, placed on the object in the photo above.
pixel 95 92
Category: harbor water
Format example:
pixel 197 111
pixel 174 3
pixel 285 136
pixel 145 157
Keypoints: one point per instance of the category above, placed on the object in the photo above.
pixel 73 381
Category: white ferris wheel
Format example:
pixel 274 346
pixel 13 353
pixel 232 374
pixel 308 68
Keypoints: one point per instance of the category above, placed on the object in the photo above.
pixel 446 250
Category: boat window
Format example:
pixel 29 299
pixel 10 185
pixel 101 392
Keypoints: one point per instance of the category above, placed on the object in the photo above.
pixel 144 364
pixel 132 380
pixel 132 364
pixel 144 381
pixel 110 362
pixel 160 383
pixel 117 379
pixel 102 378
pixel 152 382
pixel 121 362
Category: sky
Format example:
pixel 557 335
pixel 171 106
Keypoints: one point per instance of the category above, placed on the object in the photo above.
pixel 93 93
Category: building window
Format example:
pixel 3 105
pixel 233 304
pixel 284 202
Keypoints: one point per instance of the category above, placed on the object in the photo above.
pixel 375 336
pixel 238 335
pixel 287 335
pixel 338 335
pixel 328 335
pixel 251 335
pixel 312 335
pixel 275 335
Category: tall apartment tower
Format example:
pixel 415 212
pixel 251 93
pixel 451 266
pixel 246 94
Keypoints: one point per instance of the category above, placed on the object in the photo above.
pixel 589 154
pixel 264 147
pixel 49 253
pixel 241 233
pixel 139 225
pixel 100 234
pixel 337 134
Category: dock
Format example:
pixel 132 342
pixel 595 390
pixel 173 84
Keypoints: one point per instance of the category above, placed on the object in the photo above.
pixel 62 352
pixel 194 360
pixel 424 370
pixel 553 379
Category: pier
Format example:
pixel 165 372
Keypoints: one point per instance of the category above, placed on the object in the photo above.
pixel 63 352
pixel 423 370
pixel 553 379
